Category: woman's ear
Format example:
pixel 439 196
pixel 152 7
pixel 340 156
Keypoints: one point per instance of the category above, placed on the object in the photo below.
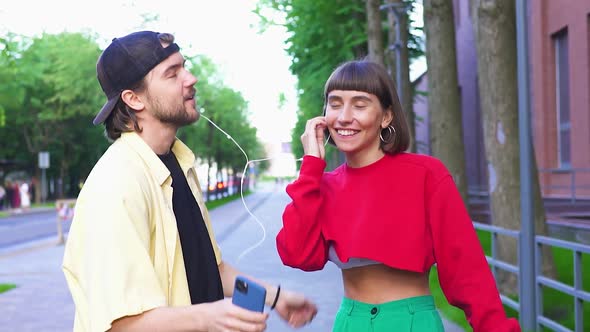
pixel 387 118
pixel 132 100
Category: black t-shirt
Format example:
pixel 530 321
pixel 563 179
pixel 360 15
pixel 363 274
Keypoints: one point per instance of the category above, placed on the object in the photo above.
pixel 202 272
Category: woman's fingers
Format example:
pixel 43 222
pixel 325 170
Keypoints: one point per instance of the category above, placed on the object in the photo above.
pixel 313 137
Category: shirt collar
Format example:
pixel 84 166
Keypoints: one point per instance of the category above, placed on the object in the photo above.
pixel 183 154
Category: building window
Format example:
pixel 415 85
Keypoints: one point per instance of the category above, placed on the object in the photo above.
pixel 562 99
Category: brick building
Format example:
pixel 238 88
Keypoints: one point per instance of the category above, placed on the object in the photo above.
pixel 559 37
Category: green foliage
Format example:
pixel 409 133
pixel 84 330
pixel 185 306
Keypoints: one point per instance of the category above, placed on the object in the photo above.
pixel 49 100
pixel 416 47
pixel 6 287
pixel 322 34
pixel 226 108
pixel 9 89
pixel 49 96
pixel 221 201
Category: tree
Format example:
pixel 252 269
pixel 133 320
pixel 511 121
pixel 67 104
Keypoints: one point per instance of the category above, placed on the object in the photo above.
pixel 323 34
pixel 11 96
pixel 375 32
pixel 495 29
pixel 410 47
pixel 51 105
pixel 445 121
pixel 229 111
pixel 9 90
pixel 60 92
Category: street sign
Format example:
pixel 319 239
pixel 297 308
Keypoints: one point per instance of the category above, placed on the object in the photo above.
pixel 43 159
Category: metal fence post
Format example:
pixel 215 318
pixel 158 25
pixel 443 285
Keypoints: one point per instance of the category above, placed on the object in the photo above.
pixel 64 212
pixel 573 184
pixel 59 220
pixel 527 280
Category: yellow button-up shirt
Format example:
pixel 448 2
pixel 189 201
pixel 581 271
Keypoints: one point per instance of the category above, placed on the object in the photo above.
pixel 123 253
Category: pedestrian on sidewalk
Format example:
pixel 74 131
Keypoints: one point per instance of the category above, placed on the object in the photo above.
pixel 2 197
pixel 141 254
pixel 385 216
pixel 25 197
pixel 9 193
pixel 15 200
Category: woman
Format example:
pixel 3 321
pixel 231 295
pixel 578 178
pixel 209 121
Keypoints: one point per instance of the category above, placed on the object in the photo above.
pixel 25 198
pixel 384 217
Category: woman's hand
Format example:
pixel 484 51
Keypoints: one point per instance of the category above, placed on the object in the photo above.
pixel 295 309
pixel 313 137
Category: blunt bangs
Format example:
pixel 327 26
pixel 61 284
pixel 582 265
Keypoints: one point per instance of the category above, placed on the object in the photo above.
pixel 360 76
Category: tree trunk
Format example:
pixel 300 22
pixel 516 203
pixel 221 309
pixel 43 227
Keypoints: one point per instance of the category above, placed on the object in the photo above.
pixel 446 130
pixel 390 55
pixel 495 29
pixel 209 161
pixel 406 94
pixel 374 32
pixel 210 131
pixel 38 185
pixel 237 176
pixel 62 180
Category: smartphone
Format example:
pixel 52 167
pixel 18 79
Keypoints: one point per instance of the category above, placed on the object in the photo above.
pixel 248 294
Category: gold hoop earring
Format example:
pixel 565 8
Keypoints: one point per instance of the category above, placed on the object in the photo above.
pixel 390 134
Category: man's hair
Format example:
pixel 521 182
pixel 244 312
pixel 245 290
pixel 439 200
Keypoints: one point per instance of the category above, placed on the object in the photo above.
pixel 123 119
pixel 373 78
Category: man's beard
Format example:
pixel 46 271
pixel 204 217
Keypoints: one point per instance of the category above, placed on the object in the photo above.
pixel 175 115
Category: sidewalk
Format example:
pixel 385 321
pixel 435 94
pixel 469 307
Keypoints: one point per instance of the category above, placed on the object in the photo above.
pixel 41 302
pixel 20 212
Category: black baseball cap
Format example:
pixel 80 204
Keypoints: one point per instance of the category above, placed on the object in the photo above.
pixel 125 62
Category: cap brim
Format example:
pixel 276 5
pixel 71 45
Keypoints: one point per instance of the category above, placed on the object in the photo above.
pixel 105 111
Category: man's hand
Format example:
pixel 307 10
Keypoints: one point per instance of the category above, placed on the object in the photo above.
pixel 295 309
pixel 224 316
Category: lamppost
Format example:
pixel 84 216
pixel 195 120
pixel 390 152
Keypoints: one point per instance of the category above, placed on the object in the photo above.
pixel 527 283
pixel 43 165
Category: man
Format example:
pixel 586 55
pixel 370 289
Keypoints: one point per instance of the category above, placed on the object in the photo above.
pixel 140 254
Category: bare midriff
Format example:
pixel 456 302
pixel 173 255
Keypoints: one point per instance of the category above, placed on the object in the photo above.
pixel 379 283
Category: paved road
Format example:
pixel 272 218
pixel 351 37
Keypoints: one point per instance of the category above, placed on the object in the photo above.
pixel 19 229
pixel 41 302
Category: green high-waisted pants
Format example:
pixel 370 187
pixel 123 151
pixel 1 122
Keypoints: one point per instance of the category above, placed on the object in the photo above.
pixel 414 314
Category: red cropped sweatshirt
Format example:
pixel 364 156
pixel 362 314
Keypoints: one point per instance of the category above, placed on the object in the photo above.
pixel 403 211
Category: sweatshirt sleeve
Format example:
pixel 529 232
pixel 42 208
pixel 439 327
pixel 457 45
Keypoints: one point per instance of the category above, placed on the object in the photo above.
pixel 300 242
pixel 464 274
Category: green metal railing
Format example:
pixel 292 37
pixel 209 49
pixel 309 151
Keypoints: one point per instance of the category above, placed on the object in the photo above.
pixel 576 291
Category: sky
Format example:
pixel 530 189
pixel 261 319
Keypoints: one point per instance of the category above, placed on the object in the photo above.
pixel 225 31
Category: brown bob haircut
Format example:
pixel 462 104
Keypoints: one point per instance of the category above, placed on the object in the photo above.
pixel 373 78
